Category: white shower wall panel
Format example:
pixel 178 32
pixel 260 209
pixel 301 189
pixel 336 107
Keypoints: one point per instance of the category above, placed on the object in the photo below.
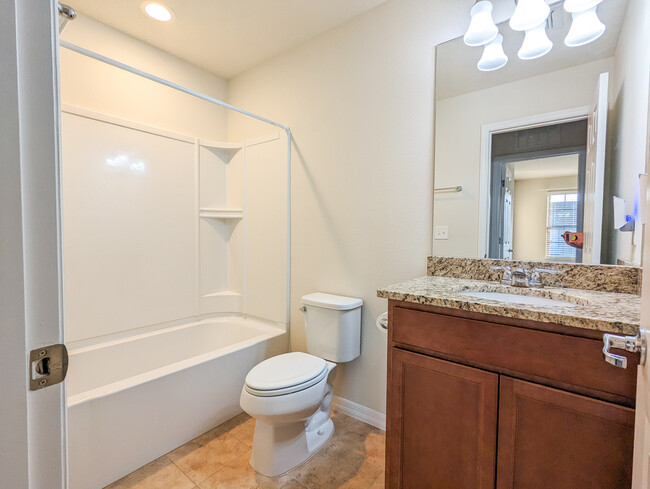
pixel 129 230
pixel 266 229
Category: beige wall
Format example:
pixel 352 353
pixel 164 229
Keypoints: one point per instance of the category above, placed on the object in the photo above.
pixel 628 124
pixel 102 88
pixel 458 143
pixel 359 100
pixel 530 208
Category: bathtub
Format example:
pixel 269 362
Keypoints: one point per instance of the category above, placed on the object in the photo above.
pixel 134 399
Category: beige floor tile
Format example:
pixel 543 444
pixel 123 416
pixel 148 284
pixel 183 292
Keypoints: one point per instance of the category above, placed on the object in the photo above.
pixel 244 431
pixel 380 482
pixel 336 467
pixel 240 475
pixel 360 437
pixel 200 461
pixel 159 474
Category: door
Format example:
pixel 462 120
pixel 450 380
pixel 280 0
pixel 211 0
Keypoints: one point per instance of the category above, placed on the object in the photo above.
pixel 595 173
pixel 551 438
pixel 641 472
pixel 32 423
pixel 442 426
pixel 508 195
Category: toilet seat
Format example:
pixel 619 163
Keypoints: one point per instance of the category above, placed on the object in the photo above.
pixel 285 374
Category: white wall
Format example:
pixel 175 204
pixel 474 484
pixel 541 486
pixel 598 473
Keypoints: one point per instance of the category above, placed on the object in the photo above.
pixel 530 212
pixel 359 100
pixel 102 88
pixel 458 141
pixel 629 118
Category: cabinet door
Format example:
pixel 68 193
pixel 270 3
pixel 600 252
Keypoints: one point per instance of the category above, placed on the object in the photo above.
pixel 554 439
pixel 442 423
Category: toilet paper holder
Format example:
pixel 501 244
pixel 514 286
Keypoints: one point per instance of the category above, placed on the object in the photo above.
pixel 382 322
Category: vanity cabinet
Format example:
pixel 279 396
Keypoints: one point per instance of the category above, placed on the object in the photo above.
pixel 478 401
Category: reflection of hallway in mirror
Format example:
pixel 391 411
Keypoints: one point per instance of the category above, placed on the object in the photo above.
pixel 546 206
pixel 537 192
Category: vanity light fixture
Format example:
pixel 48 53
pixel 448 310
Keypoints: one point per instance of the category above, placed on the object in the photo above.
pixel 536 43
pixel 482 28
pixel 529 14
pixel 493 55
pixel 586 27
pixel 158 11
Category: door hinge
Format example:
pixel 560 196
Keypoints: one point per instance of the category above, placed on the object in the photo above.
pixel 47 366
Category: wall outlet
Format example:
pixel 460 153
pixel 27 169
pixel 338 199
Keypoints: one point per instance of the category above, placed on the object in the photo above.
pixel 441 232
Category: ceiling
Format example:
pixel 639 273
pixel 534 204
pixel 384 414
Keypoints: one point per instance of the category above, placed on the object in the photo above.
pixel 555 166
pixel 226 37
pixel 456 63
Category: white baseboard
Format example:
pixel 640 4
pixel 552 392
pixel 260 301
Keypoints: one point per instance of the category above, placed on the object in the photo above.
pixel 362 413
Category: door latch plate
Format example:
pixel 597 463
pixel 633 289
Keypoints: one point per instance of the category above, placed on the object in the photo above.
pixel 47 366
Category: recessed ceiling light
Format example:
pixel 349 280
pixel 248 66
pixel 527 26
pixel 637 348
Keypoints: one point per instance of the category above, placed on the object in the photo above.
pixel 157 11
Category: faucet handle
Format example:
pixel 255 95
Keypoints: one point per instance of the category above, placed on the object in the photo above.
pixel 507 273
pixel 535 277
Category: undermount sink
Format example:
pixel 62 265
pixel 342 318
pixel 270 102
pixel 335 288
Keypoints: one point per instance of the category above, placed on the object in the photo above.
pixel 516 298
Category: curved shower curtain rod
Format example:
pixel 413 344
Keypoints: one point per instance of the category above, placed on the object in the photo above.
pixel 162 81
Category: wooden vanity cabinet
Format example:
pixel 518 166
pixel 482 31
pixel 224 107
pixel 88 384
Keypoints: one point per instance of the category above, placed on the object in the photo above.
pixel 478 401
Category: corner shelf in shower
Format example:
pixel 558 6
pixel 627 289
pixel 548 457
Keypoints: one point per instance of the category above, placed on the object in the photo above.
pixel 224 150
pixel 221 213
pixel 223 301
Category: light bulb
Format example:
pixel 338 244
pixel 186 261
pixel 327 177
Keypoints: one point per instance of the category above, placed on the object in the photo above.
pixel 536 43
pixel 481 29
pixel 580 5
pixel 585 28
pixel 528 14
pixel 493 55
pixel 158 12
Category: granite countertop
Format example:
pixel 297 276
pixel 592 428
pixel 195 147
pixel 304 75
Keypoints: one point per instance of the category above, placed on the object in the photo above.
pixel 609 312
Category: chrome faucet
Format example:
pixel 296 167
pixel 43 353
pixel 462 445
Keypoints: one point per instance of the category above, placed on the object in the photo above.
pixel 520 277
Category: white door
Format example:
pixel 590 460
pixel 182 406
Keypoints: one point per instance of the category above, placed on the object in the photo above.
pixel 641 470
pixel 595 173
pixel 32 423
pixel 508 212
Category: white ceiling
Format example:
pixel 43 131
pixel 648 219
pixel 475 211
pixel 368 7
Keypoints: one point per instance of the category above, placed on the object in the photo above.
pixel 456 70
pixel 556 166
pixel 226 37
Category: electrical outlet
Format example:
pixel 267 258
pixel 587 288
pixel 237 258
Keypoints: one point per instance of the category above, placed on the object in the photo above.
pixel 442 232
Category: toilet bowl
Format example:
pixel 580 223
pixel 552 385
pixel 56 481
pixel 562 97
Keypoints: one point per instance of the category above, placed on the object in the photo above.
pixel 290 395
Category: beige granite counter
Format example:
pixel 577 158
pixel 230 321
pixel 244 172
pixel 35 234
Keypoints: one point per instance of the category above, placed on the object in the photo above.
pixel 609 312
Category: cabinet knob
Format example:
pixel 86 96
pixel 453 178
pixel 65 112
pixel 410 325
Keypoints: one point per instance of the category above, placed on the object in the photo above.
pixel 634 344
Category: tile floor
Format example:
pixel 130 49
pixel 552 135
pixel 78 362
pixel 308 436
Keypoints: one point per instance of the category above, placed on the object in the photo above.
pixel 218 459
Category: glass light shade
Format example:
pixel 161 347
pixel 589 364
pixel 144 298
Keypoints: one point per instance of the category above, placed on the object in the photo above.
pixel 536 43
pixel 528 14
pixel 580 5
pixel 481 29
pixel 493 55
pixel 585 28
pixel 158 12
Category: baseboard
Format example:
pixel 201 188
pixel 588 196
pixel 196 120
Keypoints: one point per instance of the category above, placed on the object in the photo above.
pixel 362 413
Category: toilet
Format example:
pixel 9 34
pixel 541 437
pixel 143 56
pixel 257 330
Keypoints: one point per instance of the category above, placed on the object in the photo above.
pixel 290 395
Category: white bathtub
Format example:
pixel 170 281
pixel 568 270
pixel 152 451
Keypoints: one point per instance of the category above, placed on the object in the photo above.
pixel 134 399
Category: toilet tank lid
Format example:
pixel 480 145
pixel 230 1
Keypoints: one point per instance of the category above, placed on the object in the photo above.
pixel 330 301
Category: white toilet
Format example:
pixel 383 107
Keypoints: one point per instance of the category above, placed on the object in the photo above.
pixel 290 395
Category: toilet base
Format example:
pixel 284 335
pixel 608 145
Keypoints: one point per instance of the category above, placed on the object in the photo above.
pixel 279 448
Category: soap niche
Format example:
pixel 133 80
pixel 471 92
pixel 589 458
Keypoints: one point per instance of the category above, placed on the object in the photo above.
pixel 221 227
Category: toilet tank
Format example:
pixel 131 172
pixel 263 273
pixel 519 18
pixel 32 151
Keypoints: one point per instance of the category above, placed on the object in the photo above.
pixel 333 326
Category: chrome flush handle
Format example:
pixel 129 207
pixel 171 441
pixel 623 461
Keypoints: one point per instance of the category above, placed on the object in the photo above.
pixel 634 344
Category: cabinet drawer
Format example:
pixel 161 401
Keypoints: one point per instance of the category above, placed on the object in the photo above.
pixel 562 359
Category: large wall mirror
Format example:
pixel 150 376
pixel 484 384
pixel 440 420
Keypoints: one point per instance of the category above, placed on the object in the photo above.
pixel 540 159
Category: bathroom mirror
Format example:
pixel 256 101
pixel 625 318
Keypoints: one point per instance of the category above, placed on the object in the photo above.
pixel 514 156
